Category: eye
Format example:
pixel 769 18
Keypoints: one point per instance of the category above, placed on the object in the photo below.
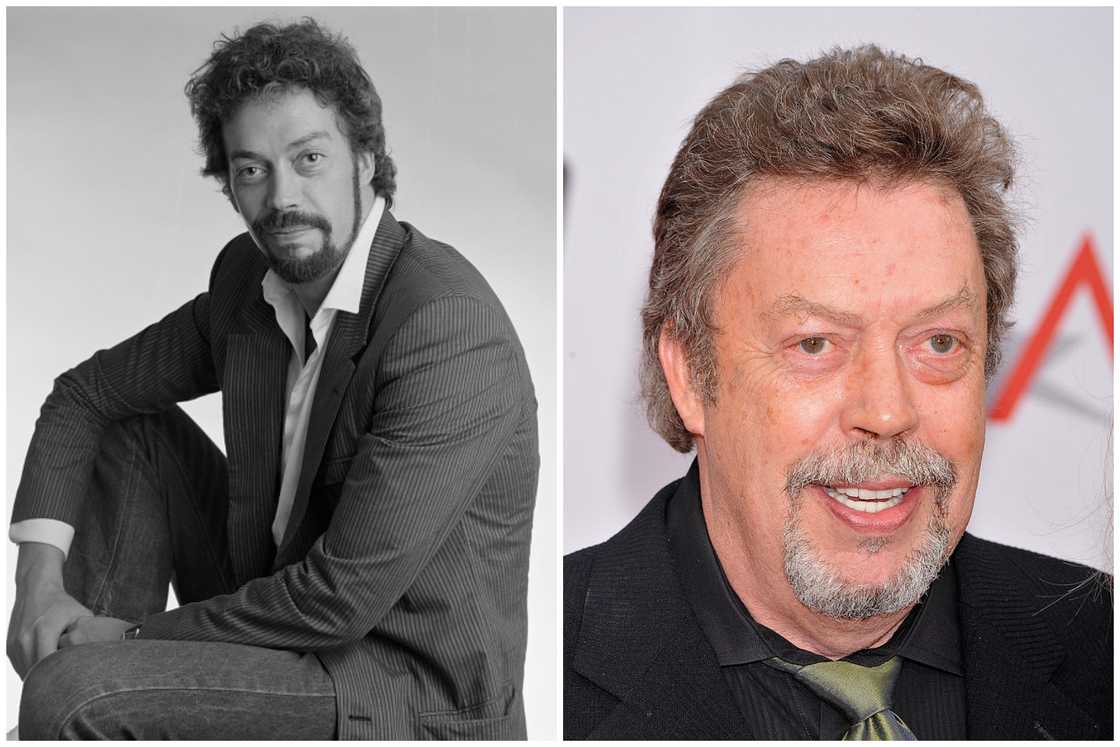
pixel 248 173
pixel 943 344
pixel 813 345
pixel 313 158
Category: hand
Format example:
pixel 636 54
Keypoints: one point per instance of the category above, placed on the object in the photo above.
pixel 42 610
pixel 93 629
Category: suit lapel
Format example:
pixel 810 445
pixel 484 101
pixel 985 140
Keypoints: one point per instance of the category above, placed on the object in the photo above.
pixel 255 373
pixel 683 694
pixel 1010 655
pixel 640 641
pixel 348 340
pixel 653 657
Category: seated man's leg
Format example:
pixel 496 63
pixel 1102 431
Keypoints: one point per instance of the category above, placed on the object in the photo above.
pixel 177 690
pixel 156 509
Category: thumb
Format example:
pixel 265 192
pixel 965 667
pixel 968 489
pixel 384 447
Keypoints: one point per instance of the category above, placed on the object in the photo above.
pixel 77 619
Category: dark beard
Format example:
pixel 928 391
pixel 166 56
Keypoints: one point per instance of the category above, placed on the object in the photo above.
pixel 318 265
pixel 323 262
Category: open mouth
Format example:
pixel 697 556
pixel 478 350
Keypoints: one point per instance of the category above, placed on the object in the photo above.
pixel 866 500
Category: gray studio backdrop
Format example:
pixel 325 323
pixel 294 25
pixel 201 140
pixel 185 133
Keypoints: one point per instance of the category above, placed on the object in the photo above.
pixel 634 79
pixel 110 225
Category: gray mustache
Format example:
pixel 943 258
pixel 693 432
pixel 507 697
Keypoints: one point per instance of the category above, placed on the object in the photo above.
pixel 859 462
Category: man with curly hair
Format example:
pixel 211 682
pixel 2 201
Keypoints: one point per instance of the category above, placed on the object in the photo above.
pixel 355 566
pixel 833 265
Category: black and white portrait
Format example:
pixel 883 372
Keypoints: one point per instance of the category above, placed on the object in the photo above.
pixel 329 235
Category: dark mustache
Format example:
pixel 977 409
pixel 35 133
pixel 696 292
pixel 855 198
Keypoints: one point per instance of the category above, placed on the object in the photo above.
pixel 276 220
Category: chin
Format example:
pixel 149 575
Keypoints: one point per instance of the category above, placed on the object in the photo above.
pixel 890 584
pixel 306 269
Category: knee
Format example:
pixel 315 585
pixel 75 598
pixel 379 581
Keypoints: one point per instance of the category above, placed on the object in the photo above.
pixel 39 714
pixel 135 432
pixel 59 689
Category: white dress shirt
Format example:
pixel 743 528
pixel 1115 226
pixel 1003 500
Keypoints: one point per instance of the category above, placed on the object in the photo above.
pixel 345 294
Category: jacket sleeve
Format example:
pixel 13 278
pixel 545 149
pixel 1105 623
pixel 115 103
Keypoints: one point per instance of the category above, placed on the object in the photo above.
pixel 450 392
pixel 168 362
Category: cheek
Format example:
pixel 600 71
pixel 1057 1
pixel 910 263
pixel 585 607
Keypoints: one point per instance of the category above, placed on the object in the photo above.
pixel 954 420
pixel 776 421
pixel 248 203
pixel 954 423
pixel 811 412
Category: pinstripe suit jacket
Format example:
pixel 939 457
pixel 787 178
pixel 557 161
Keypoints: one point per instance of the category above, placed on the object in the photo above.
pixel 404 564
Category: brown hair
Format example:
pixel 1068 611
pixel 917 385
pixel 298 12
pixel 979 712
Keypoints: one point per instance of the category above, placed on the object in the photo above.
pixel 850 114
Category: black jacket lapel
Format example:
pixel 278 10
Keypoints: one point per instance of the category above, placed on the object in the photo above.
pixel 1010 655
pixel 639 641
pixel 348 340
pixel 683 695
pixel 253 409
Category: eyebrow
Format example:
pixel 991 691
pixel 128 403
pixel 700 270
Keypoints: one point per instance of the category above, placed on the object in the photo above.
pixel 963 299
pixel 308 138
pixel 793 304
pixel 295 144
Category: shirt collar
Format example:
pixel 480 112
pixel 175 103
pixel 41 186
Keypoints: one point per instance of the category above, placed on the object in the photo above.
pixel 930 634
pixel 723 619
pixel 345 293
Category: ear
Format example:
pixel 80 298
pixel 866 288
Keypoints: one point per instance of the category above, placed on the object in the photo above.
pixel 366 166
pixel 674 363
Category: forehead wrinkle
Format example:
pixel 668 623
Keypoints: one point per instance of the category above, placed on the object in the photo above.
pixel 792 304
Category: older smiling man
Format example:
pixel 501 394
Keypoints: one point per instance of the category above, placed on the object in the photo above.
pixel 833 268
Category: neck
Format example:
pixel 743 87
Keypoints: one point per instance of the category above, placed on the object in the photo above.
pixel 812 631
pixel 312 293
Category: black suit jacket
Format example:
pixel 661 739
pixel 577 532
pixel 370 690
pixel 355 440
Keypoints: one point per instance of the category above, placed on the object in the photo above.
pixel 1037 638
pixel 405 560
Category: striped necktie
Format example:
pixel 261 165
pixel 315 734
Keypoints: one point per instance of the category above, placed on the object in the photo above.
pixel 862 693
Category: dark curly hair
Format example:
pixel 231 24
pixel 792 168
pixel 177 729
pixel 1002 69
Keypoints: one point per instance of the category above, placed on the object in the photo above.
pixel 269 59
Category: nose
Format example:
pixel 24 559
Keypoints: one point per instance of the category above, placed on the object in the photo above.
pixel 878 401
pixel 284 189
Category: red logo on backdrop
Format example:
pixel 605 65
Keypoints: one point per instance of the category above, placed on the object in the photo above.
pixel 1084 271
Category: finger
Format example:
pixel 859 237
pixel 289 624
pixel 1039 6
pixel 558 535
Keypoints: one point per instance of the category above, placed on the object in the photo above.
pixel 47 630
pixel 15 648
pixel 73 624
pixel 24 653
pixel 46 643
pixel 20 641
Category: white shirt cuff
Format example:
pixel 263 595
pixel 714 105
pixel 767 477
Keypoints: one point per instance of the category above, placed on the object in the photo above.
pixel 48 531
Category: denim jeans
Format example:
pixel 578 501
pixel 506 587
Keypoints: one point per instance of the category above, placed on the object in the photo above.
pixel 155 513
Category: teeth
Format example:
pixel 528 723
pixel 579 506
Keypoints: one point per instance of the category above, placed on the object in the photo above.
pixel 867 501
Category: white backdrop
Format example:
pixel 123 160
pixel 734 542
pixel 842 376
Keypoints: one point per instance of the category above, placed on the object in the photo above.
pixel 110 226
pixel 633 81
